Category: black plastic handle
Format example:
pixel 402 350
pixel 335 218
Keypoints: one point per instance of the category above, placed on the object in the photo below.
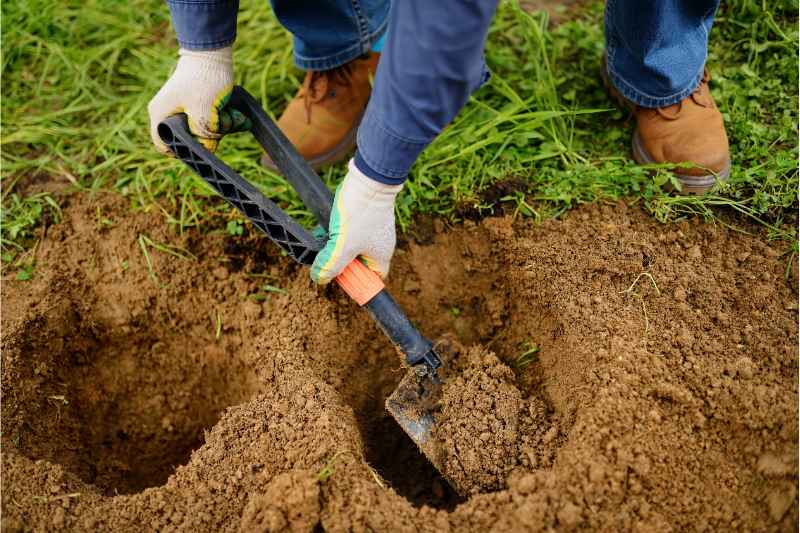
pixel 314 193
pixel 260 210
pixel 395 324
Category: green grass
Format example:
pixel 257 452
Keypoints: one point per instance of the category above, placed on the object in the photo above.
pixel 20 216
pixel 529 354
pixel 77 77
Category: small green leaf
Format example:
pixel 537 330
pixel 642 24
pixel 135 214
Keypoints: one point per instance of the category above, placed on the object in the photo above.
pixel 25 273
pixel 234 227
pixel 273 288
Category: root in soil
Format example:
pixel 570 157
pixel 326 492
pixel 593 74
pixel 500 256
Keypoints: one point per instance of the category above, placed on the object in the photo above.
pixel 201 401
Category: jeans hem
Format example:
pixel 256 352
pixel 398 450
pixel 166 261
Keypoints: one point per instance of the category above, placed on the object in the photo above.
pixel 342 57
pixel 362 165
pixel 625 87
pixel 643 99
pixel 206 45
pixel 388 154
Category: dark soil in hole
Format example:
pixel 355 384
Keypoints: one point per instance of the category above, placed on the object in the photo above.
pixel 115 381
pixel 644 409
pixel 118 400
pixel 395 457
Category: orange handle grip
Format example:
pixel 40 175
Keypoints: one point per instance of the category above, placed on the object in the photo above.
pixel 360 282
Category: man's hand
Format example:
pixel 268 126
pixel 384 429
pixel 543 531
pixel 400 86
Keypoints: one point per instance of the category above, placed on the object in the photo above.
pixel 200 87
pixel 362 224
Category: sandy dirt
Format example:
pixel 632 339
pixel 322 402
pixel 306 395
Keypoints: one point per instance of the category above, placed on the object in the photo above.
pixel 189 397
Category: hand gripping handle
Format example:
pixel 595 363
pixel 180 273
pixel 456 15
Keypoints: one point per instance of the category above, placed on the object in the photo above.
pixel 357 280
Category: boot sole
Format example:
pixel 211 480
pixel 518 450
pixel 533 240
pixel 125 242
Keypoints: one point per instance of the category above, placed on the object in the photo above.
pixel 690 184
pixel 331 157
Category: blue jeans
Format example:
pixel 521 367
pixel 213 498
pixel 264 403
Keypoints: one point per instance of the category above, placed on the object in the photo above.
pixel 432 61
pixel 657 49
pixel 433 57
pixel 327 33
pixel 330 33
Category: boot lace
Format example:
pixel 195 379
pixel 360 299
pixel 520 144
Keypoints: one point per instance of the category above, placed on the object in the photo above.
pixel 319 84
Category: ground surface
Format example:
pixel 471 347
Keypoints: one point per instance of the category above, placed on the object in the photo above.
pixel 77 77
pixel 208 386
pixel 613 373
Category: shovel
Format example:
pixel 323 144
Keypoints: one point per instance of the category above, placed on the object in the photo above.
pixel 412 403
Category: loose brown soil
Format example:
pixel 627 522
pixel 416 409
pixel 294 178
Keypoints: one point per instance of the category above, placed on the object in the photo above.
pixel 184 397
pixel 485 427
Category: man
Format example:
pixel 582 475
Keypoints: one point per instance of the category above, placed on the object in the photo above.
pixel 432 62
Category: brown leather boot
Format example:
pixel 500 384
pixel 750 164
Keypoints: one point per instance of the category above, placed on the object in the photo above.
pixel 322 119
pixel 690 131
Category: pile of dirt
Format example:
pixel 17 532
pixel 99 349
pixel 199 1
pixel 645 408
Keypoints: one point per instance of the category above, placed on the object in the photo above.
pixel 613 374
pixel 482 400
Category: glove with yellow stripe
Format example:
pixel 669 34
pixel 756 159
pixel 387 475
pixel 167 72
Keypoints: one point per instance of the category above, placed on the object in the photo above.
pixel 362 225
pixel 200 87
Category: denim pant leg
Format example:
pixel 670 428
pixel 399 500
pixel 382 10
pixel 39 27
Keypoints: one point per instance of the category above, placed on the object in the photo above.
pixel 330 33
pixel 657 48
pixel 432 62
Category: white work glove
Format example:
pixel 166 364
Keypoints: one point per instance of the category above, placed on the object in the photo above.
pixel 362 224
pixel 200 87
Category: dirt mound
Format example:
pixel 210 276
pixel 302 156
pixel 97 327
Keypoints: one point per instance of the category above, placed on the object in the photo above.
pixel 291 502
pixel 483 401
pixel 618 374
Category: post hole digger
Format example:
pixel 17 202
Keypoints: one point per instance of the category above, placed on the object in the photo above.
pixel 413 401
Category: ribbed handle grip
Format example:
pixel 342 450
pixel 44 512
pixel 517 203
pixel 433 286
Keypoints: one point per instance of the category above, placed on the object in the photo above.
pixel 284 231
pixel 360 282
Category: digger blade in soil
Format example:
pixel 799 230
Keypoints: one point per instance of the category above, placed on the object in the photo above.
pixel 414 405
